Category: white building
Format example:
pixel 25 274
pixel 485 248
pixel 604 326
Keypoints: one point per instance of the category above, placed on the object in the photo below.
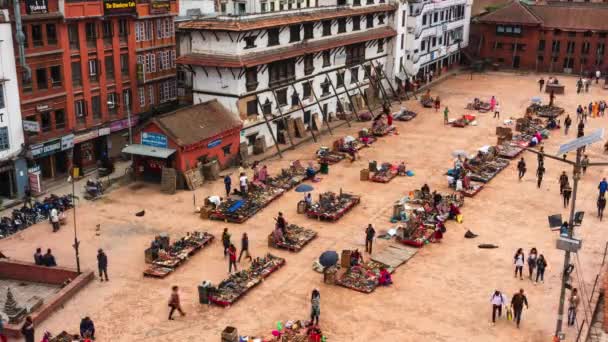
pixel 430 34
pixel 13 168
pixel 265 55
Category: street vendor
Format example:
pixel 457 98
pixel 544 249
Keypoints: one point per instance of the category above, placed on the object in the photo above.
pixel 401 169
pixel 351 149
pixel 256 172
pixel 215 200
pixel 436 198
pixel 263 174
pixel 385 278
pixel 310 171
pixel 281 223
pixel 278 235
pixel 155 247
pixel 356 258
pixel 308 200
pixel 454 211
pixel 425 189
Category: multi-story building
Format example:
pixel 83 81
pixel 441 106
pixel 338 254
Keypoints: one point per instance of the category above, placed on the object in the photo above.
pixel 430 35
pixel 80 79
pixel 13 167
pixel 565 37
pixel 280 60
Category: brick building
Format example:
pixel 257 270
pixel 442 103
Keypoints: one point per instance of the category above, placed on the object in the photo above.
pixel 89 61
pixel 554 37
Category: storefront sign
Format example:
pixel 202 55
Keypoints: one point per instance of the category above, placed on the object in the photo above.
pixel 104 131
pixel 214 143
pixel 43 108
pixel 86 136
pixel 34 180
pixel 159 6
pixel 122 124
pixel 114 7
pixel 154 140
pixel 36 6
pixel 67 142
pixel 31 126
pixel 45 149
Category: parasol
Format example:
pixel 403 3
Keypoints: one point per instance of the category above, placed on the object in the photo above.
pixel 304 188
pixel 536 99
pixel 458 153
pixel 328 258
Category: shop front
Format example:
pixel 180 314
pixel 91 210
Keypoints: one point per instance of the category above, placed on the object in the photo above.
pixel 13 178
pixel 52 159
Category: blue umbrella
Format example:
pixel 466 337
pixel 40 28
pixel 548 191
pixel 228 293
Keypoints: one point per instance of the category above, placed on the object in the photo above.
pixel 304 188
pixel 328 258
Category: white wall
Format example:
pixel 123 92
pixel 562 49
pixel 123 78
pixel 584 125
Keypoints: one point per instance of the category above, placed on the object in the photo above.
pixel 11 117
pixel 205 6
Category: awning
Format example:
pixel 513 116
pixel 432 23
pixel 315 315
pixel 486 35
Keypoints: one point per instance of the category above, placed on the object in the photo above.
pixel 148 151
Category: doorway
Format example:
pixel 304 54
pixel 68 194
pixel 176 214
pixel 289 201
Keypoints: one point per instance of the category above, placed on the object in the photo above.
pixel 516 62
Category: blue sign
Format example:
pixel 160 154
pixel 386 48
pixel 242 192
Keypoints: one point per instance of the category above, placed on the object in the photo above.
pixel 154 140
pixel 214 143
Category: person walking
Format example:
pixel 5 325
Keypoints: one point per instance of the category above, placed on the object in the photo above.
pixel 541 265
pixel 244 184
pixel 315 307
pixel 369 238
pixel 437 103
pixel 497 300
pixel 497 110
pixel 244 247
pixel 567 193
pixel 87 328
pixel 532 258
pixel 598 74
pixel 519 261
pixel 539 174
pixel 102 264
pixel 226 241
pixel 55 219
pixel 540 157
pixel 601 205
pixel 446 111
pixel 521 167
pixel 174 303
pixel 563 180
pixel 228 185
pixel 27 329
pixel 579 113
pixel 517 303
pixel 603 186
pixel 573 302
pixel 231 258
pixel 567 124
pixel 585 163
pixel 579 85
pixel 541 83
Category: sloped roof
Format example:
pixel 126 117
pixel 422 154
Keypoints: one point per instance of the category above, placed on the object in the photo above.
pixel 573 16
pixel 197 123
pixel 513 13
pixel 479 6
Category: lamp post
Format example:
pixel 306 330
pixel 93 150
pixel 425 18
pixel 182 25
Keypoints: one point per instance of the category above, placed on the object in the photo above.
pixel 76 242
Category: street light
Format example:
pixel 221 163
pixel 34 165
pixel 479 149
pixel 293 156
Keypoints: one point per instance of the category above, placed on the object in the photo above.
pixel 76 242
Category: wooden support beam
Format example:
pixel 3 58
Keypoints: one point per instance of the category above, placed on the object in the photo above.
pixel 314 137
pixel 331 83
pixel 380 71
pixel 274 139
pixel 323 113
pixel 276 99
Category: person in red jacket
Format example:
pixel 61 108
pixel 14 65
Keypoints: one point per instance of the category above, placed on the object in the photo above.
pixel 231 258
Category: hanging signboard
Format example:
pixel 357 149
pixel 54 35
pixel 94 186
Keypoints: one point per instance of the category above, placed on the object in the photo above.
pixel 67 142
pixel 159 6
pixel 34 180
pixel 31 126
pixel 45 149
pixel 36 6
pixel 214 143
pixel 154 140
pixel 117 7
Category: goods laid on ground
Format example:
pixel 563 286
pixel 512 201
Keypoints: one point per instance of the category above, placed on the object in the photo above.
pixel 165 259
pixel 332 206
pixel 509 150
pixel 362 278
pixel 463 121
pixel 66 337
pixel 545 111
pixel 232 289
pixel 289 331
pixel 404 115
pixel 473 189
pixel 349 142
pixel 479 106
pixel 295 238
pixel 325 156
pixel 240 210
pixel 292 176
pixel 380 128
pixel 385 173
pixel 485 165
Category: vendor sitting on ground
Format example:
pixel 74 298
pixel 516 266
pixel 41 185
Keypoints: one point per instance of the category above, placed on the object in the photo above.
pixel 552 124
pixel 351 149
pixel 425 190
pixel 308 200
pixel 401 169
pixel 454 211
pixel 385 278
pixel 310 171
pixel 356 258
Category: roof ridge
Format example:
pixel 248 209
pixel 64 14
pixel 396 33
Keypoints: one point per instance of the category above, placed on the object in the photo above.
pixel 531 11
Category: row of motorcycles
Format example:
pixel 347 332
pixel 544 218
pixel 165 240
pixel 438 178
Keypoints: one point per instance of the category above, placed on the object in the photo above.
pixel 29 215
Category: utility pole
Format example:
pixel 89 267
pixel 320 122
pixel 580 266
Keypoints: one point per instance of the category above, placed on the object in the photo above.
pixel 76 242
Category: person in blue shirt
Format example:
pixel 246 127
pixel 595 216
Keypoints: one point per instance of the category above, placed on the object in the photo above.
pixel 228 184
pixel 603 187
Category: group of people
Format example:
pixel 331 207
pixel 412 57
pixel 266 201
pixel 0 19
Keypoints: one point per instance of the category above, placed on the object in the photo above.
pixel 47 259
pixel 536 262
pixel 230 250
pixel 514 309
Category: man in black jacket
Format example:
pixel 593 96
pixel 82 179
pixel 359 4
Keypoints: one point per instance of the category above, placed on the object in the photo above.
pixel 517 303
pixel 369 238
pixel 102 264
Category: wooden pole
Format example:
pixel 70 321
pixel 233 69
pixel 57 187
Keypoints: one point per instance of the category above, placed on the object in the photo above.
pixel 274 139
pixel 320 108
pixel 302 108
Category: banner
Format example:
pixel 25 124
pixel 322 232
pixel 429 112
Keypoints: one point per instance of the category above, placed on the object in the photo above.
pixel 154 139
pixel 116 7
pixel 36 6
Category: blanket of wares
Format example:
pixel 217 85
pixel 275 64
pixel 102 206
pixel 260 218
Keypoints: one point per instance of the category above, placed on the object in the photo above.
pixel 240 210
pixel 332 206
pixel 290 331
pixel 239 283
pixel 294 240
pixel 290 177
pixel 168 259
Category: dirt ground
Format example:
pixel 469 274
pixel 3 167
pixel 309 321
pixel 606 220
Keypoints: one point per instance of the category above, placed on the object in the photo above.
pixel 442 294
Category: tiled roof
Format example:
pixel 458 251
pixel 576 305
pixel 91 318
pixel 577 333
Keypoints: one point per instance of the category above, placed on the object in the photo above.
pixel 197 123
pixel 513 13
pixel 257 58
pixel 576 17
pixel 263 22
pixel 480 6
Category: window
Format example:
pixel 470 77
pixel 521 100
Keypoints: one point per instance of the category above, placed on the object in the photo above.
pixel 354 75
pixel 356 2
pixel 585 48
pixel 281 72
pixel 93 69
pixel 282 97
pixel 160 30
pixel 402 41
pixel 56 76
pixel 2 104
pixel 264 7
pixel 139 31
pixel 404 16
pixel 381 19
pixel 37 35
pixel 251 77
pixel 91 34
pixel 294 33
pixel 226 150
pixel 500 29
pixel 4 143
pixel 555 46
pixel 369 2
pixel 435 17
pixel 306 90
pixel 73 36
pixel 123 28
pixel 112 102
pixel 109 60
pixel 355 53
pixel 79 110
pixel 325 88
pixel 26 81
pixel 423 45
pixel 59 119
pixel 367 71
pixel 168 91
pixel 600 49
pixel 295 99
pixel 541 45
pixel 356 23
pixel 51 34
pixel 570 47
pixel 309 31
pixel 424 19
pixel 369 21
pixel 309 64
pixel 252 107
pixel 572 34
pixel 25 39
pixel 341 25
pixel 124 64
pixel 273 37
pixel 108 31
pixel 340 79
pixel 96 106
pixel 152 59
pixel 380 45
pixel 141 92
pixel 251 138
pixel 250 42
pixel 41 81
pixel 326 28
pixel 517 30
pixel 326 58
pixel 45 122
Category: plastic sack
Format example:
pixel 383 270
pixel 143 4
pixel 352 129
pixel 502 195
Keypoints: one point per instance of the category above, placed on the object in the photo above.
pixel 509 314
pixel 459 218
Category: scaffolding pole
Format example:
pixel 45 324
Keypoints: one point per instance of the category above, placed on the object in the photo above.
pixel 283 118
pixel 302 108
pixel 338 99
pixel 383 74
pixel 274 139
pixel 323 113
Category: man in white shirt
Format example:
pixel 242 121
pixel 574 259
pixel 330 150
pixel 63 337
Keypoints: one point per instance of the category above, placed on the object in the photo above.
pixel 55 219
pixel 243 183
pixel 597 76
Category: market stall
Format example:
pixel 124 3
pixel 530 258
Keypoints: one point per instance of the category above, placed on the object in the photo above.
pixel 380 128
pixel 292 176
pixel 385 173
pixel 238 284
pixel 544 111
pixel 285 331
pixel 332 206
pixel 326 156
pixel 294 240
pixel 404 115
pixel 463 121
pixel 479 106
pixel 362 278
pixel 66 337
pixel 240 210
pixel 166 258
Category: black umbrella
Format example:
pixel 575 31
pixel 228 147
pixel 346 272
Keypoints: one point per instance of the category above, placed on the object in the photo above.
pixel 328 258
